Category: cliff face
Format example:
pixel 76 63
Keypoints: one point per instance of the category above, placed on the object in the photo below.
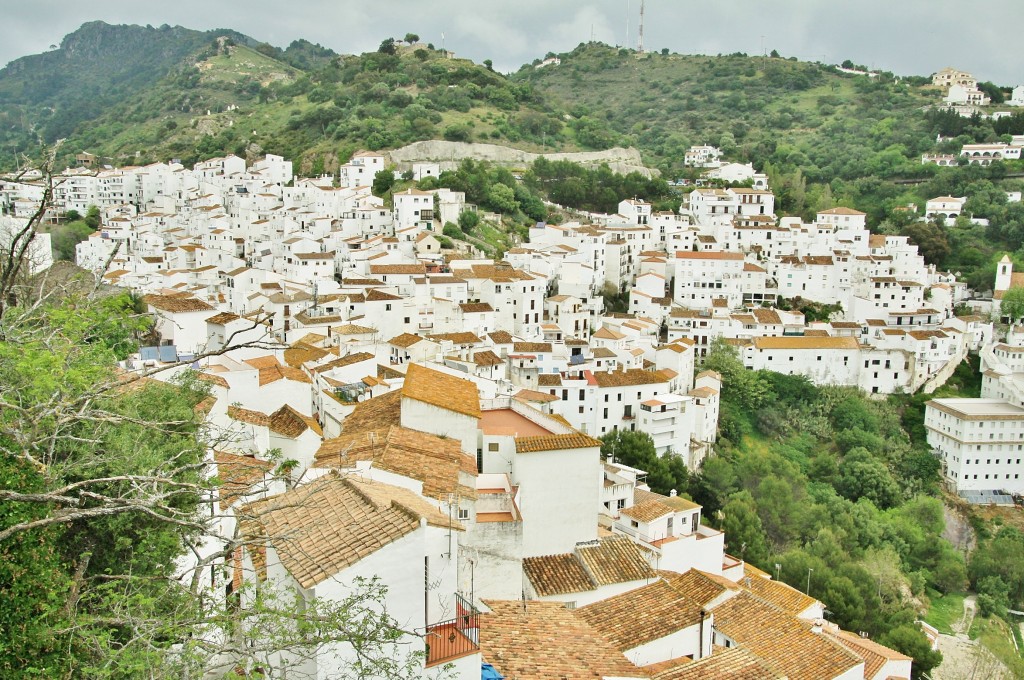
pixel 448 154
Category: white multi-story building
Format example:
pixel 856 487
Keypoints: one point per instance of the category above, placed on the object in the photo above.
pixel 980 443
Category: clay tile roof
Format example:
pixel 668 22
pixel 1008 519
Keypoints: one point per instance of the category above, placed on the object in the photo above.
pixel 676 503
pixel 644 615
pixel 404 340
pixel 785 597
pixel 501 337
pixel 274 373
pixel 766 315
pixel 375 295
pixel 325 526
pixel 176 303
pixel 438 463
pixel 555 442
pixel 398 268
pixel 245 415
pixel 530 347
pixel 781 639
pixel 614 559
pixel 557 575
pixel 213 379
pixel 441 390
pixel 474 307
pixel 646 512
pixel 237 474
pixel 299 353
pixel 606 333
pixel 624 378
pixel 290 423
pixel 805 342
pixel 841 211
pixel 519 641
pixel 346 360
pixel 487 358
pixel 735 663
pixel 533 395
pixel 875 655
pixel 463 338
pixel 222 318
pixel 549 380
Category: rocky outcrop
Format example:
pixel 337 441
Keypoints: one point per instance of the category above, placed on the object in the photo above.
pixel 448 154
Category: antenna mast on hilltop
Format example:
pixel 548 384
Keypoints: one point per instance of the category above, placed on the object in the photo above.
pixel 640 38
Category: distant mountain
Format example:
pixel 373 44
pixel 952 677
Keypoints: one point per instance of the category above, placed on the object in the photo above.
pixel 96 67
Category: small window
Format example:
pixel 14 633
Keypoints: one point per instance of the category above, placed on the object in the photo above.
pixel 463 514
pixel 492 446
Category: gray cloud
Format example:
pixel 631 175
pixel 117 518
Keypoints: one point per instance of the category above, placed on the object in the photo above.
pixel 903 36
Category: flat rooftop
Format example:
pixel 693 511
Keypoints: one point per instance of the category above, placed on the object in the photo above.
pixel 978 409
pixel 505 421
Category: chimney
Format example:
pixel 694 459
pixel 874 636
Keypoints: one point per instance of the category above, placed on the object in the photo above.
pixel 817 626
pixel 672 493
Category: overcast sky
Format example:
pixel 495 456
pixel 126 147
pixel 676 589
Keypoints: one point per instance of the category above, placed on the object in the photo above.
pixel 908 37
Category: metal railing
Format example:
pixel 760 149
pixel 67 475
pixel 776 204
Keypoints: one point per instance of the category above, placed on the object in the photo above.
pixel 456 637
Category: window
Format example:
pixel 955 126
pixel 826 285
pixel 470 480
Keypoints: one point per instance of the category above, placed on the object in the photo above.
pixel 463 514
pixel 492 446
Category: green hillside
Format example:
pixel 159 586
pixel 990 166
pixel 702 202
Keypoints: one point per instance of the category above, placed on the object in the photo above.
pixel 136 94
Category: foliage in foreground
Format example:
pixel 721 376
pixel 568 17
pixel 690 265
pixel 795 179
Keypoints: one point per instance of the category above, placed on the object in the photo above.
pixel 103 488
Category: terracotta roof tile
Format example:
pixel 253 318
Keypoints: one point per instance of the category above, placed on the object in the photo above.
pixel 531 347
pixel 549 380
pixel 441 390
pixel 501 337
pixel 398 269
pixel 730 664
pixel 244 415
pixel 176 303
pixel 405 340
pixel 487 358
pixel 557 575
pixel 237 475
pixel 781 640
pixel 614 559
pixel 543 640
pixel 462 338
pixel 555 442
pixel 624 378
pixel 783 596
pixel 643 615
pixel 438 463
pixel 288 422
pixel 325 526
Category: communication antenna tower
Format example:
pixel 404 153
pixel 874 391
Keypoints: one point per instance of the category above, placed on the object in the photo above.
pixel 640 37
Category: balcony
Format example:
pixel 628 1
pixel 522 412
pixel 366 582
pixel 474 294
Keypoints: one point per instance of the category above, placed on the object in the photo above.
pixel 455 638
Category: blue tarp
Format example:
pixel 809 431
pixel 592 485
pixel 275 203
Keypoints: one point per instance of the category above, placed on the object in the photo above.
pixel 168 353
pixel 149 353
pixel 487 672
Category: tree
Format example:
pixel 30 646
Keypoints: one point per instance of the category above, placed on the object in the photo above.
pixel 911 640
pixel 387 46
pixel 931 239
pixel 468 219
pixel 861 475
pixel 1011 306
pixel 383 182
pixel 636 449
pixel 489 64
pixel 411 38
pixel 743 529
